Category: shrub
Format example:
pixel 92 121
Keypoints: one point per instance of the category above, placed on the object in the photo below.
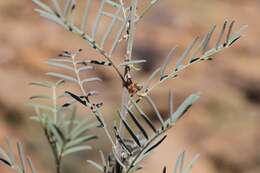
pixel 68 133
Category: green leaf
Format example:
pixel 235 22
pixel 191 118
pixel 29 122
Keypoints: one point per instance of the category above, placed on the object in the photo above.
pixel 59 83
pixel 191 164
pixel 102 157
pixel 4 155
pixel 97 20
pixel 41 106
pixel 5 161
pixel 207 39
pixel 182 158
pixel 85 68
pixel 121 141
pixel 184 107
pixel 41 97
pixel 93 79
pixel 49 16
pixel 130 131
pixel 186 52
pixel 81 128
pixel 155 145
pixel 221 34
pixel 80 140
pixel 113 4
pixel 229 32
pixel 144 116
pixel 167 60
pixel 63 66
pixel 179 159
pixel 76 149
pixel 33 170
pixel 61 60
pixel 68 7
pixel 41 84
pixel 57 6
pixel 110 27
pixel 85 16
pixel 58 135
pixel 237 35
pixel 118 37
pixel 132 62
pixel 42 5
pixel 137 122
pixel 10 151
pixel 151 77
pixel 150 101
pixel 96 165
pixel 62 76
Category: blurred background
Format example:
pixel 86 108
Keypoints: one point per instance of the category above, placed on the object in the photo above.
pixel 223 126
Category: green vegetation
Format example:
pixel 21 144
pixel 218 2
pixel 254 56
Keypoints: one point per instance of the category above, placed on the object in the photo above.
pixel 135 135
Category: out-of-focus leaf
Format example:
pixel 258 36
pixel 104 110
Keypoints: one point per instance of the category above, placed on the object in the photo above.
pixel 63 66
pixel 96 165
pixel 76 149
pixel 62 76
pixel 42 5
pixel 80 140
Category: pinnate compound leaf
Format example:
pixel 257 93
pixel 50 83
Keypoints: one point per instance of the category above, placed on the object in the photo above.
pixel 144 116
pixel 137 122
pixel 130 131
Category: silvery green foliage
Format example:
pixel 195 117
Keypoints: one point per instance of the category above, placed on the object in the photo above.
pixel 179 164
pixel 65 132
pixel 7 157
pixel 60 122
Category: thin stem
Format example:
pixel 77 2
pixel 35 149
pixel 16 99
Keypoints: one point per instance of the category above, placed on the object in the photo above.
pixel 177 71
pixel 51 142
pixel 95 111
pixel 128 57
pixel 58 166
pixel 54 151
pixel 125 99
